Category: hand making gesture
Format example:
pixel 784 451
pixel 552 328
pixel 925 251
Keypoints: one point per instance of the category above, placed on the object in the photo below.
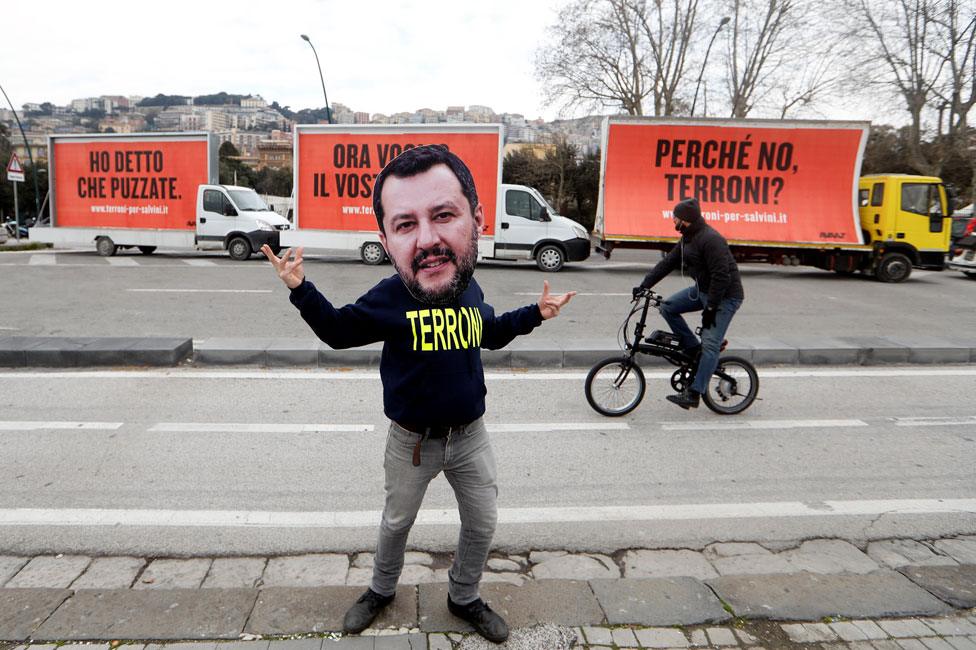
pixel 291 273
pixel 550 305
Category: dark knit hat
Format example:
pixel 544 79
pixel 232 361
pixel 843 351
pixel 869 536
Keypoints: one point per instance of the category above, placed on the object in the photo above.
pixel 688 210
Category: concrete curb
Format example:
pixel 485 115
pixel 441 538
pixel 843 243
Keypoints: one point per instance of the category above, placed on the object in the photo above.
pixel 583 353
pixel 48 615
pixel 79 352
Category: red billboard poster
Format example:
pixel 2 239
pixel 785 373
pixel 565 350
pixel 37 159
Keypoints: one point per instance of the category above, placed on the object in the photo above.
pixel 757 182
pixel 128 183
pixel 337 167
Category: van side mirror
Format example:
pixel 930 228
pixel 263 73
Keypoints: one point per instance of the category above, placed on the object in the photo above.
pixel 229 210
pixel 546 215
pixel 952 199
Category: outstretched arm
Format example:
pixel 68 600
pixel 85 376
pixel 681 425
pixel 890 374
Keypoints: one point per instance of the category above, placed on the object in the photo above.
pixel 549 305
pixel 670 262
pixel 499 331
pixel 292 272
pixel 347 327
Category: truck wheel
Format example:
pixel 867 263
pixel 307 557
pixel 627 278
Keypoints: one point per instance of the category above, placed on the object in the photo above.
pixel 550 258
pixel 105 246
pixel 239 249
pixel 147 250
pixel 372 253
pixel 894 267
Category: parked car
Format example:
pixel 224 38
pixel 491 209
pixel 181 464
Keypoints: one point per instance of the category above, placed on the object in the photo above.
pixel 963 252
pixel 960 220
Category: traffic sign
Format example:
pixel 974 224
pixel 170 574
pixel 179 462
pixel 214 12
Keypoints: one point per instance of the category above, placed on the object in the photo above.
pixel 15 172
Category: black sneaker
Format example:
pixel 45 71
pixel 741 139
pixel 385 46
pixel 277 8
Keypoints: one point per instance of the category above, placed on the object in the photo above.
pixel 688 399
pixel 485 621
pixel 364 611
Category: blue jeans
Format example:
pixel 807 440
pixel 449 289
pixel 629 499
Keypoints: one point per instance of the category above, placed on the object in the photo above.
pixel 468 463
pixel 691 299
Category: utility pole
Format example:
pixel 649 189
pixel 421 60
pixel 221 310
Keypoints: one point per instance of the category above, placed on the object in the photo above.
pixel 328 111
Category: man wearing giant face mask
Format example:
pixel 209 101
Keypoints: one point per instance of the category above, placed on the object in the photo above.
pixel 433 320
pixel 717 293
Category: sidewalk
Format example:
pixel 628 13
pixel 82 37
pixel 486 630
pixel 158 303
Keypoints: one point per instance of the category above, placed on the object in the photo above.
pixel 818 593
pixel 58 351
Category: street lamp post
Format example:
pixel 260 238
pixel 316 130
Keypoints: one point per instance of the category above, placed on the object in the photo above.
pixel 701 72
pixel 30 156
pixel 328 111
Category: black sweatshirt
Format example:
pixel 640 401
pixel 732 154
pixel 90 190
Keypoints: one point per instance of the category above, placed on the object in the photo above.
pixel 707 258
pixel 431 364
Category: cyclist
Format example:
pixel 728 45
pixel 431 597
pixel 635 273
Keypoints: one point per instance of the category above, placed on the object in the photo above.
pixel 717 293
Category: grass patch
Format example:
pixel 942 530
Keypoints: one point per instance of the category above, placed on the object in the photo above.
pixel 28 246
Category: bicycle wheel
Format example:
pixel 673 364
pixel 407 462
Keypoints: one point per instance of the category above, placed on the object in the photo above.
pixel 615 386
pixel 733 386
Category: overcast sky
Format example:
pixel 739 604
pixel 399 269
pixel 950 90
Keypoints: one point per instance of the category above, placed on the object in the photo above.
pixel 380 57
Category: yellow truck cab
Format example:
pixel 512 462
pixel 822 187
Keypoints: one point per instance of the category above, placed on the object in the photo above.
pixel 906 219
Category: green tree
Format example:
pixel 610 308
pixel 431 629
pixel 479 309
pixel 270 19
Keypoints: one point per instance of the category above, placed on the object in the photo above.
pixel 231 167
pixel 164 100
pixel 6 191
pixel 569 182
pixel 284 110
pixel 887 151
pixel 276 182
pixel 218 99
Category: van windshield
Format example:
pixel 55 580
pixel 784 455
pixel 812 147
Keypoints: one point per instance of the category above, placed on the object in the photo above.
pixel 248 200
pixel 543 201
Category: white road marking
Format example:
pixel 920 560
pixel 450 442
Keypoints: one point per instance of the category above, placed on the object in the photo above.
pixel 231 427
pixel 437 517
pixel 43 260
pixel 761 424
pixel 872 372
pixel 579 293
pixel 935 421
pixel 557 426
pixel 38 426
pixel 570 375
pixel 200 290
pixel 121 261
pixel 195 262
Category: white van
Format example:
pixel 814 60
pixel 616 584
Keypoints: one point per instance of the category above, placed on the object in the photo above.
pixel 227 217
pixel 528 228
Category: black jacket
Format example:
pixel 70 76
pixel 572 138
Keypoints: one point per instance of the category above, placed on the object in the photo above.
pixel 707 258
pixel 431 363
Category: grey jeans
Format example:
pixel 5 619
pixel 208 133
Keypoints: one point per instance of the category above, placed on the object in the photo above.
pixel 468 463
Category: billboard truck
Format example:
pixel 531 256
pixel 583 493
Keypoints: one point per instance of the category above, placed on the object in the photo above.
pixel 336 165
pixel 780 191
pixel 149 190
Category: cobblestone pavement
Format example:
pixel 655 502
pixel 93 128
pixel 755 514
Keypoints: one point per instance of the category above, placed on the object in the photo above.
pixel 956 632
pixel 824 593
pixel 820 556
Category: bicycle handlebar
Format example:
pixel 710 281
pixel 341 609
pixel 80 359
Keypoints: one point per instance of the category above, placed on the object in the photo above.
pixel 648 294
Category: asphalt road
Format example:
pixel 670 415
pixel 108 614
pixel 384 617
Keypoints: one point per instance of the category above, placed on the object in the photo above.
pixel 187 461
pixel 203 295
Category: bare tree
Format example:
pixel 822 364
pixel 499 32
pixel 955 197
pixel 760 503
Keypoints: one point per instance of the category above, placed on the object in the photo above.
pixel 900 32
pixel 617 53
pixel 955 42
pixel 668 29
pixel 755 49
pixel 596 57
pixel 812 80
